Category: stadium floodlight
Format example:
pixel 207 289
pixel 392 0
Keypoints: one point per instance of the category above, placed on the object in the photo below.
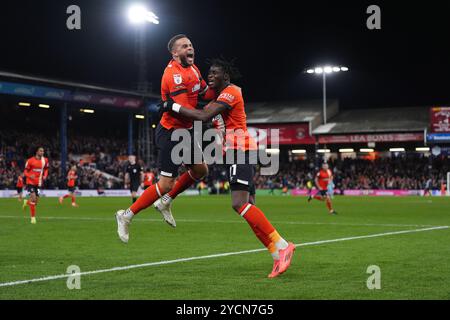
pixel 318 70
pixel 44 106
pixel 153 126
pixel 24 104
pixel 324 70
pixel 366 150
pixel 328 69
pixel 138 14
pixel 422 149
pixel 323 150
pixel 397 149
pixel 87 110
pixel 346 150
pixel 139 116
pixel 273 151
pixel 298 151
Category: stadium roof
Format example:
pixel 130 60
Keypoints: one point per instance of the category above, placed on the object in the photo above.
pixel 407 119
pixel 289 111
pixel 76 85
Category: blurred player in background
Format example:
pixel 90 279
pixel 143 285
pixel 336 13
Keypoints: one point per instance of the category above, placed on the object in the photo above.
pixel 427 191
pixel 134 177
pixel 36 171
pixel 230 106
pixel 183 83
pixel 19 187
pixel 71 183
pixel 149 178
pixel 323 178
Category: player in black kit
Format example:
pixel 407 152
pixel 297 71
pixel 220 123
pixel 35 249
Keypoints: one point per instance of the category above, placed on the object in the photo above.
pixel 133 177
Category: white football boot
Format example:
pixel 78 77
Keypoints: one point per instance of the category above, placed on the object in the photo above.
pixel 165 208
pixel 122 226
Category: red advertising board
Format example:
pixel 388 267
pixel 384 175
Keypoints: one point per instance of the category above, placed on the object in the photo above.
pixel 288 133
pixel 364 138
pixel 440 119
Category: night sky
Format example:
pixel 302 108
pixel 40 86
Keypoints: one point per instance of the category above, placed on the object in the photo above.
pixel 406 63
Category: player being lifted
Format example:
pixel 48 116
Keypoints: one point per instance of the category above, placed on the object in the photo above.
pixel 134 177
pixel 183 83
pixel 36 171
pixel 323 178
pixel 71 183
pixel 229 106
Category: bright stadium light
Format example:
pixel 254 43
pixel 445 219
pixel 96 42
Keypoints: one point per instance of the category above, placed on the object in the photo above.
pixel 422 149
pixel 298 151
pixel 139 116
pixel 273 151
pixel 323 150
pixel 324 70
pixel 328 69
pixel 366 150
pixel 44 106
pixel 153 126
pixel 87 110
pixel 138 14
pixel 346 150
pixel 397 149
pixel 24 104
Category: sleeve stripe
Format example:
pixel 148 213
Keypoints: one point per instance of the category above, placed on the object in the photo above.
pixel 225 104
pixel 175 93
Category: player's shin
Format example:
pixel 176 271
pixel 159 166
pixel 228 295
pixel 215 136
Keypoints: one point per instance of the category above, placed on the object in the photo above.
pixel 256 219
pixel 186 180
pixel 147 198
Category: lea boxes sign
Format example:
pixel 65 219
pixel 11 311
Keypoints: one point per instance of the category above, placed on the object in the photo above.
pixel 364 138
pixel 440 119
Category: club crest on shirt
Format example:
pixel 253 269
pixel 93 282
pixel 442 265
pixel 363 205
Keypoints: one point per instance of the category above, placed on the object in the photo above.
pixel 177 78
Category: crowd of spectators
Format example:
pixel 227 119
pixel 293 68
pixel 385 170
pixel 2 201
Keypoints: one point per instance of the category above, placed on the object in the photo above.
pixel 101 163
pixel 406 172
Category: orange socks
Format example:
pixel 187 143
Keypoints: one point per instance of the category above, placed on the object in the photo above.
pixel 149 196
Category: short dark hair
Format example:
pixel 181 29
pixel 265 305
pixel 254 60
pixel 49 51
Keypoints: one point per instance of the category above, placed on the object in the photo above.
pixel 37 148
pixel 173 40
pixel 227 67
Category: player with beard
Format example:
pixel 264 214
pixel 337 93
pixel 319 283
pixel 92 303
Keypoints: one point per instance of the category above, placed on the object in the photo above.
pixel 182 82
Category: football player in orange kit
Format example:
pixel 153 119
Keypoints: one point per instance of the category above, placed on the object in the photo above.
pixel 36 171
pixel 230 106
pixel 323 178
pixel 183 83
pixel 71 182
pixel 19 187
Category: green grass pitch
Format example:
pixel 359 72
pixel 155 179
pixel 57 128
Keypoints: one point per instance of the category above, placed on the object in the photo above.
pixel 414 265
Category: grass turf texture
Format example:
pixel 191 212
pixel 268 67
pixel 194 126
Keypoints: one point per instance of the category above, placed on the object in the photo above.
pixel 413 265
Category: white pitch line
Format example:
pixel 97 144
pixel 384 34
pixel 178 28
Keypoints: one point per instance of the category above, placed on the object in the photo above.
pixel 219 255
pixel 231 221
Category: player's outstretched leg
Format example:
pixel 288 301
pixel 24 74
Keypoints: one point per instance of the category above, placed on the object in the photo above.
pixel 124 217
pixel 330 206
pixel 281 250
